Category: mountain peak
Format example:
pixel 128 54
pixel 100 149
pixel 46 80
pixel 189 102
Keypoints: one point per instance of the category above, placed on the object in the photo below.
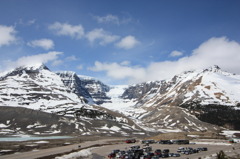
pixel 37 66
pixel 215 68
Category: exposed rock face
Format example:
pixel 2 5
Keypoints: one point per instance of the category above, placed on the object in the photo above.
pixel 94 91
pixel 73 83
pixel 96 88
pixel 139 90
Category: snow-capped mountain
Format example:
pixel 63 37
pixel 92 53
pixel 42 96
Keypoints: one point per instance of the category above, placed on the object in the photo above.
pixel 209 86
pixel 183 103
pixel 200 92
pixel 63 97
pixel 36 87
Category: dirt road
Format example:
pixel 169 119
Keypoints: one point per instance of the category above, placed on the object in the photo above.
pixel 57 150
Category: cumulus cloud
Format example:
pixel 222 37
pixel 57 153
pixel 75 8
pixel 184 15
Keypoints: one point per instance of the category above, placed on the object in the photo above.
pixel 65 29
pixel 176 53
pixel 7 35
pixel 127 42
pixel 43 43
pixel 102 36
pixel 120 71
pixel 33 59
pixel 215 51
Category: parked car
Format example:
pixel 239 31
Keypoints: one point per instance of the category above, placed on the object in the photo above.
pixel 147 149
pixel 135 147
pixel 165 142
pixel 174 155
pixel 202 149
pixel 121 154
pixel 158 152
pixel 180 141
pixel 128 141
pixel 165 155
pixel 180 149
pixel 112 155
pixel 165 151
pixel 148 141
pixel 115 151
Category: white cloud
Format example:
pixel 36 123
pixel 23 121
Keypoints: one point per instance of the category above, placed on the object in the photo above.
pixel 71 58
pixel 109 18
pixel 32 60
pixel 65 29
pixel 120 71
pixel 102 36
pixel 176 53
pixel 43 43
pixel 127 42
pixel 7 35
pixel 215 51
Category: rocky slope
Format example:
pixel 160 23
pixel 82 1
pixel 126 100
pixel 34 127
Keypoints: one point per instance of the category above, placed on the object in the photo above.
pixel 201 92
pixel 22 121
pixel 91 89
pixel 96 88
pixel 73 83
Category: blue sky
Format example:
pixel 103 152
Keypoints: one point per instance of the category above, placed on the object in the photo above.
pixel 121 42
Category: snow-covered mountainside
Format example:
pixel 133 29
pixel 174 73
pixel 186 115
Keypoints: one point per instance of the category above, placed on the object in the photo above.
pixel 209 86
pixel 200 92
pixel 191 101
pixel 36 87
pixel 61 100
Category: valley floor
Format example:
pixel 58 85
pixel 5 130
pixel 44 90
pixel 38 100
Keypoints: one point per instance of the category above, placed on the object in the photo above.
pixel 99 148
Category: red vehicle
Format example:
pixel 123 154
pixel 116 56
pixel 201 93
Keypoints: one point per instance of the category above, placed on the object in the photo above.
pixel 112 155
pixel 128 141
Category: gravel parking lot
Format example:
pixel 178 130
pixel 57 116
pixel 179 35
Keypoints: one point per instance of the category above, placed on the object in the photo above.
pixel 213 149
